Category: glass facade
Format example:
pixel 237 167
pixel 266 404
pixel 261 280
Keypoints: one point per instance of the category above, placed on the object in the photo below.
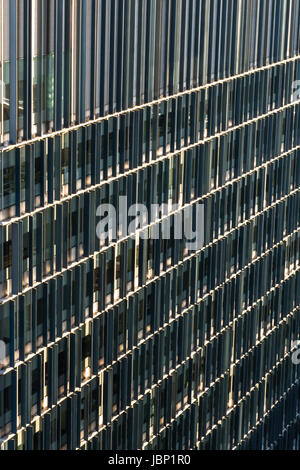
pixel 141 343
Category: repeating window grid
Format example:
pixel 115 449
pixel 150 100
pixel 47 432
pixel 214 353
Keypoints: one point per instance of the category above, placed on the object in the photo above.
pixel 75 271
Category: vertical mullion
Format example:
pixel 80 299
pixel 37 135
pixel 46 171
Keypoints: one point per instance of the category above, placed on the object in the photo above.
pixel 166 39
pixel 112 54
pixel 67 64
pixel 137 99
pixel 190 35
pixel 27 69
pixel 131 53
pixel 157 50
pixel 120 56
pixel 13 71
pixel 147 67
pixel 92 83
pixel 58 38
pixel 126 51
pixel 73 94
pixel 82 60
pixel 182 57
pixel 77 45
pixel 102 58
pixel 40 68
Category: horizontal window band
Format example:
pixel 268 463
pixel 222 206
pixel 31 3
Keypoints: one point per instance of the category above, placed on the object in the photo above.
pixel 231 410
pixel 172 320
pixel 195 400
pixel 151 163
pixel 92 256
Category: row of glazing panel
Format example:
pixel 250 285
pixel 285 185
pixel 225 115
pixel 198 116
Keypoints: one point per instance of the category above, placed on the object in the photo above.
pixel 65 62
pixel 40 173
pixel 178 366
pixel 49 241
pixel 111 280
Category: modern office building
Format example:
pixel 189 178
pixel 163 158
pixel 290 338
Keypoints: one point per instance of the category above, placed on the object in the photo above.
pixel 136 342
